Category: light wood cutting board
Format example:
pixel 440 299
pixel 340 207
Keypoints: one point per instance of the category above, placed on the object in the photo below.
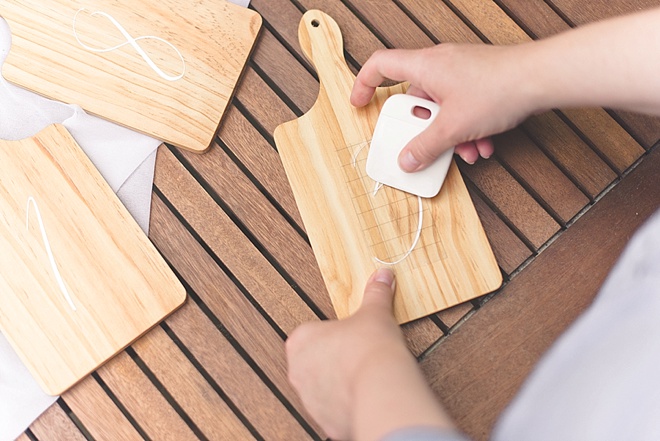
pixel 324 154
pixel 214 38
pixel 115 279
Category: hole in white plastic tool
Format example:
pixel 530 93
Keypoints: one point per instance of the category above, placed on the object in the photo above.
pixel 315 23
pixel 421 112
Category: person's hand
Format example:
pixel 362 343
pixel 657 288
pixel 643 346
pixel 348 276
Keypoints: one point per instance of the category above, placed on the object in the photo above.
pixel 355 376
pixel 479 87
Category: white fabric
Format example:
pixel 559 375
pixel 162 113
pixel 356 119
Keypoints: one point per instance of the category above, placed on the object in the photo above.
pixel 601 380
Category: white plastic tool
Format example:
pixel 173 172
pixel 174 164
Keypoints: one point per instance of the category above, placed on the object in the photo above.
pixel 396 126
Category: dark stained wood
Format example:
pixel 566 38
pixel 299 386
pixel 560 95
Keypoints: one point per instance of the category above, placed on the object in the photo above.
pixel 100 416
pixel 220 295
pixel 143 400
pixel 530 165
pixel 477 370
pixel 272 230
pixel 55 425
pixel 512 200
pixel 260 158
pixel 188 388
pixel 262 102
pixel 438 19
pixel 218 231
pixel 614 143
pixel 571 153
pixel 291 77
pixel 233 375
pixel 509 250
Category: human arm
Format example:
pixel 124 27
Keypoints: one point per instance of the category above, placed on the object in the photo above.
pixel 356 376
pixel 485 90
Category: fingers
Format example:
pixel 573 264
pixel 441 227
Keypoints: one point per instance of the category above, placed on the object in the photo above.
pixel 485 147
pixel 470 151
pixel 425 148
pixel 393 64
pixel 379 292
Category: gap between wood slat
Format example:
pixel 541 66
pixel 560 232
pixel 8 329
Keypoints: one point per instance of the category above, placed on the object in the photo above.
pixel 216 321
pixel 211 381
pixel 263 190
pixel 136 425
pixel 165 393
pixel 246 293
pixel 250 236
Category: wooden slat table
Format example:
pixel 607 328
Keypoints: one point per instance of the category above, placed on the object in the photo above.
pixel 558 201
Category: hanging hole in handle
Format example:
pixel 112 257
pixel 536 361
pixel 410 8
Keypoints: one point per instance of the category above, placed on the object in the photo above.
pixel 421 112
pixel 315 23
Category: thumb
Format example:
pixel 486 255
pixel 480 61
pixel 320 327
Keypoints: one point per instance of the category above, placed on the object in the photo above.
pixel 379 292
pixel 425 148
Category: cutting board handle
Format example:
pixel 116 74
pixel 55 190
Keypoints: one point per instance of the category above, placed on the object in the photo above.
pixel 323 45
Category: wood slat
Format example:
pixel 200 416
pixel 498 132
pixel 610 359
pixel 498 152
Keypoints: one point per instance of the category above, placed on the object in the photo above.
pixel 220 295
pixel 268 226
pixel 282 68
pixel 534 168
pixel 438 19
pixel 613 142
pixel 259 158
pixel 187 386
pixel 571 153
pixel 55 425
pixel 262 103
pixel 143 400
pixel 98 413
pixel 509 250
pixel 234 376
pixel 220 233
pixel 514 202
pixel 477 370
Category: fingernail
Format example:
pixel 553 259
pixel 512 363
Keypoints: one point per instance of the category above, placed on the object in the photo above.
pixel 408 162
pixel 385 275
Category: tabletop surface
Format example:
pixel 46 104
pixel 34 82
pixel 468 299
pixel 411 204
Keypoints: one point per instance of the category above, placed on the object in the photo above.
pixel 558 201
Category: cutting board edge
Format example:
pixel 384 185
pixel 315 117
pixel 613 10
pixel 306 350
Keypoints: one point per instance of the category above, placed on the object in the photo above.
pixel 199 147
pixel 176 299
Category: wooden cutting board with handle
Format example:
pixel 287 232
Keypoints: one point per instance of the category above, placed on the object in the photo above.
pixel 79 280
pixel 351 229
pixel 162 67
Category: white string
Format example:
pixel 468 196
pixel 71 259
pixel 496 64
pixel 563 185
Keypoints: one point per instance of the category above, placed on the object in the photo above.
pixel 133 42
pixel 418 234
pixel 44 237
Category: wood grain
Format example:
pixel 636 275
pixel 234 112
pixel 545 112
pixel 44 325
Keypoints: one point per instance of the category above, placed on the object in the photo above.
pixel 144 401
pixel 55 425
pixel 186 385
pixel 452 262
pixel 214 37
pixel 94 239
pixel 100 416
